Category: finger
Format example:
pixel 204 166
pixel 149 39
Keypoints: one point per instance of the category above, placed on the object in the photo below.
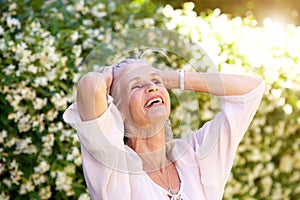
pixel 108 77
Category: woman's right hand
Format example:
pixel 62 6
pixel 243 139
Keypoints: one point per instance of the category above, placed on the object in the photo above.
pixel 106 74
pixel 92 90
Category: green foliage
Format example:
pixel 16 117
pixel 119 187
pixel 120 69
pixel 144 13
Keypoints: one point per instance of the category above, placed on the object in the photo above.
pixel 267 165
pixel 43 44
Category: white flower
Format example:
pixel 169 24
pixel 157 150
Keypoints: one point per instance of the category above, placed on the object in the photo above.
pixel 4 196
pixel 12 6
pixel 288 109
pixel 87 22
pixel 99 10
pixel 12 141
pixel 70 8
pixel 276 93
pixel 46 151
pixel 63 77
pixel 42 167
pixel 27 187
pixel 78 61
pixel 7 182
pixel 16 176
pixel 13 22
pixel 70 157
pixel 59 157
pixel 59 101
pixel 39 103
pixel 1 30
pixel 45 192
pixel 76 50
pixel 149 22
pixel 79 5
pixel 52 74
pixel 88 43
pixel 63 182
pixel 3 135
pixel 74 36
pixel 23 124
pixel 74 154
pixel 168 11
pixel 84 196
pixel 41 81
pixel 35 26
pixel 22 54
pixel 28 93
pixel 10 69
pixel 286 163
pixel 2 166
pixel 19 36
pixel 70 169
pixel 48 140
pixel 2 44
pixel 33 69
pixel 21 144
pixel 51 114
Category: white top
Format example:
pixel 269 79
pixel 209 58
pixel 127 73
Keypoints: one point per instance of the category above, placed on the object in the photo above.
pixel 203 159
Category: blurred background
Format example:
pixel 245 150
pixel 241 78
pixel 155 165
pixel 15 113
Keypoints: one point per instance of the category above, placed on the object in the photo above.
pixel 43 46
pixel 282 11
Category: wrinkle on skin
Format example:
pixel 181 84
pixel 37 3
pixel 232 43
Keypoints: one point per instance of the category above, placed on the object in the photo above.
pixel 138 120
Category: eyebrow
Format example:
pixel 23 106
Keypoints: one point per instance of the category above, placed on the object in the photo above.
pixel 134 79
pixel 153 74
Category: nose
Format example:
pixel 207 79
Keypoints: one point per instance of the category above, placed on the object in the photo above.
pixel 151 87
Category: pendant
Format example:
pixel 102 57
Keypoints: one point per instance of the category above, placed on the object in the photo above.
pixel 174 196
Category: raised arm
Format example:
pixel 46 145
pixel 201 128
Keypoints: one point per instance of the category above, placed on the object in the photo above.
pixel 92 90
pixel 214 83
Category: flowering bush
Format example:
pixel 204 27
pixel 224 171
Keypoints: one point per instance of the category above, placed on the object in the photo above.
pixel 43 44
pixel 267 165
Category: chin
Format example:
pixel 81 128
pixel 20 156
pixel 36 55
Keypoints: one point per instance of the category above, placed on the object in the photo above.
pixel 159 117
pixel 154 117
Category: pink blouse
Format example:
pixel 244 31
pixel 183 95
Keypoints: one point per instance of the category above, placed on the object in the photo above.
pixel 203 159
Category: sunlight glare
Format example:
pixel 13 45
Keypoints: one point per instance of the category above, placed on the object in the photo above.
pixel 274 33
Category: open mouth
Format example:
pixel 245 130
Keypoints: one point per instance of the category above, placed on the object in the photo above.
pixel 153 102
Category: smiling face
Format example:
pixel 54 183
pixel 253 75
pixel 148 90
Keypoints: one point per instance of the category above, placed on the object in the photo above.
pixel 143 100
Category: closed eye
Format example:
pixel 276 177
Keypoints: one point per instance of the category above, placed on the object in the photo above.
pixel 156 81
pixel 136 87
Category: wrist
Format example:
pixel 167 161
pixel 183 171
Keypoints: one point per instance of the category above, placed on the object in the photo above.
pixel 171 79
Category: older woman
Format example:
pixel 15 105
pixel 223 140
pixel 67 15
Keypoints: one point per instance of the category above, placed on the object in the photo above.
pixel 130 100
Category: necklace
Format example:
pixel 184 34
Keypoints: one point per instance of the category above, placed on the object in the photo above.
pixel 169 186
pixel 170 190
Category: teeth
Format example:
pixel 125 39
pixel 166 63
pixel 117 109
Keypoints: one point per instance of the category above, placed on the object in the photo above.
pixel 159 100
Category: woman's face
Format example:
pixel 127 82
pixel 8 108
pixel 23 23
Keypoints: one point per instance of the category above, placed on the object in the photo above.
pixel 143 99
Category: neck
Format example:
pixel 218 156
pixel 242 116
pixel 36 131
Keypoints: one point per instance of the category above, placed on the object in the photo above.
pixel 152 150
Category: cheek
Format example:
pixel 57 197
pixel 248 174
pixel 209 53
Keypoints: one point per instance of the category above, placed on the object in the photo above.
pixel 122 103
pixel 135 104
pixel 168 104
pixel 167 100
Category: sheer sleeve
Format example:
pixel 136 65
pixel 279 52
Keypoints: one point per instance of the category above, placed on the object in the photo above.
pixel 216 142
pixel 103 152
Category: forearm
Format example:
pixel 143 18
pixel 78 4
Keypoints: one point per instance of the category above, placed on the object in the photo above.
pixel 91 96
pixel 213 83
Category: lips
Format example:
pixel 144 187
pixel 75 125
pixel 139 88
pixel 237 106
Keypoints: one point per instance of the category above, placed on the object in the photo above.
pixel 156 100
